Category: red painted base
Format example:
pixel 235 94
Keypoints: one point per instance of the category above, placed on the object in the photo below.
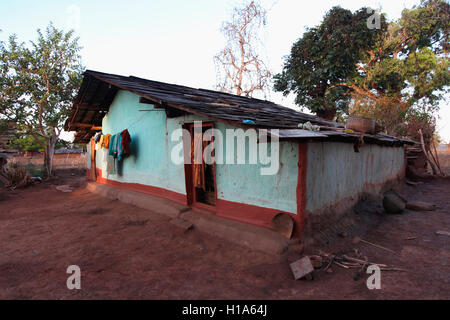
pixel 251 214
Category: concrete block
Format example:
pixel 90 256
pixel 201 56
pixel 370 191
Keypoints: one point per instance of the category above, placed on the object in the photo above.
pixel 252 237
pixel 140 200
pixel 301 268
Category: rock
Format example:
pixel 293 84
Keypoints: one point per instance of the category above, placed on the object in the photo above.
pixel 392 203
pixel 301 268
pixel 64 188
pixel 420 206
pixel 342 234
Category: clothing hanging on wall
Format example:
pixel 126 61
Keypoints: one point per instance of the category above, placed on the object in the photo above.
pixel 113 146
pixel 97 137
pixel 100 141
pixel 119 145
pixel 106 140
pixel 126 140
pixel 110 164
pixel 198 165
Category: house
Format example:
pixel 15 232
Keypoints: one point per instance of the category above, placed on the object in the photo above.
pixel 443 148
pixel 68 153
pixel 322 171
pixel 7 130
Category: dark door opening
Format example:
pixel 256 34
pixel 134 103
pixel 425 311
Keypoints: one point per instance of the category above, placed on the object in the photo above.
pixel 200 176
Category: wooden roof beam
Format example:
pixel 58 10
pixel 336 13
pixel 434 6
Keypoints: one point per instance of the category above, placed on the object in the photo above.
pixel 86 125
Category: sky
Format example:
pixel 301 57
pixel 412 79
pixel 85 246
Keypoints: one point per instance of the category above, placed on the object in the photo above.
pixel 174 40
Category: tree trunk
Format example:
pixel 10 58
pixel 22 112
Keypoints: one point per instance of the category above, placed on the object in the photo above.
pixel 49 151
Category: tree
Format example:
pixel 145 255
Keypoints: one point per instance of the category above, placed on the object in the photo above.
pixel 405 75
pixel 240 69
pixel 38 84
pixel 325 56
pixel 383 73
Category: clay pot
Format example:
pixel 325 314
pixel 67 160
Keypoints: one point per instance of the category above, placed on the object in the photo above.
pixel 364 125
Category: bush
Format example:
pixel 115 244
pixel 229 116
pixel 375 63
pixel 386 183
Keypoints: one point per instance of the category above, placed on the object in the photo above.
pixel 18 177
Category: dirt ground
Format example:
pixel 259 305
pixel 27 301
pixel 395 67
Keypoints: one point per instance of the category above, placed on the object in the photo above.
pixel 130 253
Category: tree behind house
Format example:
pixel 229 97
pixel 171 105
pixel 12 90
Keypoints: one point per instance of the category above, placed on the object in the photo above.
pixel 383 73
pixel 240 68
pixel 326 56
pixel 38 84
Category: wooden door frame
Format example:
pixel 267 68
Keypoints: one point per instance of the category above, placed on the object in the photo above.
pixel 93 171
pixel 188 169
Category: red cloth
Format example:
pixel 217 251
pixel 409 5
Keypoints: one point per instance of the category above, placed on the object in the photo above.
pixel 126 140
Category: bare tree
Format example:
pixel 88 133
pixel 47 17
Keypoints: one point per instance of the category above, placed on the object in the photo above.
pixel 240 70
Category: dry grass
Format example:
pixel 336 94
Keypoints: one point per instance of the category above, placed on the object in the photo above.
pixel 17 176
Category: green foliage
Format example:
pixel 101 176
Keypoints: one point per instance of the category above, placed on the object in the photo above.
pixel 38 83
pixel 402 64
pixel 326 56
pixel 27 143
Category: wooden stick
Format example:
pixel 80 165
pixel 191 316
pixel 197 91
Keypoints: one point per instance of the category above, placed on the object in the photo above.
pixel 393 269
pixel 437 159
pixel 341 265
pixel 363 262
pixel 433 166
pixel 434 159
pixel 378 246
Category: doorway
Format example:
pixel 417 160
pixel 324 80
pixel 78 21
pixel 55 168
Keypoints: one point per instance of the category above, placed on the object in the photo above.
pixel 200 174
pixel 92 171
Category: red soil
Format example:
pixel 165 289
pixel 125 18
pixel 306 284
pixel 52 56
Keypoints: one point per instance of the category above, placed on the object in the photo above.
pixel 130 253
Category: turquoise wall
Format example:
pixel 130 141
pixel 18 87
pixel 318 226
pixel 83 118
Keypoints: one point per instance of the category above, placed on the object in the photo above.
pixel 150 162
pixel 244 183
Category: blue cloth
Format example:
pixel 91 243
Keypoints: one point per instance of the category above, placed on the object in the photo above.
pixel 120 153
pixel 97 137
pixel 116 149
pixel 113 146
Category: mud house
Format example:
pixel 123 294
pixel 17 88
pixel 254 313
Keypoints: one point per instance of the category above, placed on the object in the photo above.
pixel 321 173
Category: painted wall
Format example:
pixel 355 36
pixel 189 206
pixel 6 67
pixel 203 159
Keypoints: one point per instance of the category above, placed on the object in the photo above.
pixel 244 183
pixel 336 173
pixel 150 161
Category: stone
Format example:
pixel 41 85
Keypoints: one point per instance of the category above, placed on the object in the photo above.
pixel 343 234
pixel 392 203
pixel 64 188
pixel 420 206
pixel 301 268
